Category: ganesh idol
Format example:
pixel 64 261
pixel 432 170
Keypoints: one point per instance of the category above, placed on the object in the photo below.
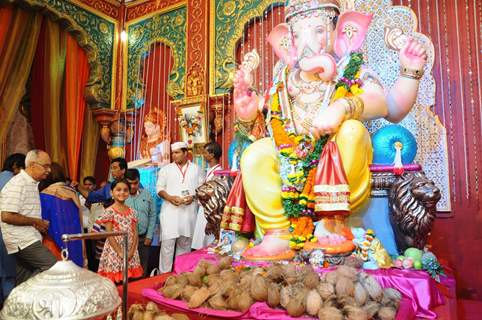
pixel 315 163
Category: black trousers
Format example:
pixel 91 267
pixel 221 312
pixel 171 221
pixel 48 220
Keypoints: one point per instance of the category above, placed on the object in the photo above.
pixel 32 260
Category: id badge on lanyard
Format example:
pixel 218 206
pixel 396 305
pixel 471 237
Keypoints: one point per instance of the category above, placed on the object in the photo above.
pixel 184 190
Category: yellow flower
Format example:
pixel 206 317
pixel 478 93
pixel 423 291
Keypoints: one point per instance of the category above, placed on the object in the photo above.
pixel 340 93
pixel 302 238
pixel 251 244
pixel 355 89
pixel 314 239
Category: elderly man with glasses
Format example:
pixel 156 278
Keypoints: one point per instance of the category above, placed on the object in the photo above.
pixel 21 220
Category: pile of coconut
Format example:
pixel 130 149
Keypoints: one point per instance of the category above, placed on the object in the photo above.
pixel 151 311
pixel 344 293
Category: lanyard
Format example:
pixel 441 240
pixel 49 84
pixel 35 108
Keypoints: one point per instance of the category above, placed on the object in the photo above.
pixel 211 171
pixel 183 173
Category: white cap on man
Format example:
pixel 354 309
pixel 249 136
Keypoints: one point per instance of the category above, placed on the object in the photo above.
pixel 178 146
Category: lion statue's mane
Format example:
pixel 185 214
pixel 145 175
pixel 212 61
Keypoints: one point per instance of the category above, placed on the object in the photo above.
pixel 413 199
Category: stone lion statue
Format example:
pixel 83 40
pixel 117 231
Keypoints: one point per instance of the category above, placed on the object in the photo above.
pixel 413 199
pixel 212 195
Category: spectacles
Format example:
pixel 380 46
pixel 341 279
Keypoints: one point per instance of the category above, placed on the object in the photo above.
pixel 45 166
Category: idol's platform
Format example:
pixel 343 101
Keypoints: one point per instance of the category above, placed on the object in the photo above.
pixel 423 298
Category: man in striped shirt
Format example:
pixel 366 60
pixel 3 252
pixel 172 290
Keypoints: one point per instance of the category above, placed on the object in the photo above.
pixel 22 222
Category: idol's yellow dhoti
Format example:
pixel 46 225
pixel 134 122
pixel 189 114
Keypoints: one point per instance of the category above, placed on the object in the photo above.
pixel 262 181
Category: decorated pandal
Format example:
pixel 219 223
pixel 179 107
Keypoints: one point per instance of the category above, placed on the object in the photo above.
pixel 320 217
pixel 325 213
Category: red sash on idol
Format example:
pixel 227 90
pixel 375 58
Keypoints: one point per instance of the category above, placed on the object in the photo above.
pixel 332 195
pixel 237 216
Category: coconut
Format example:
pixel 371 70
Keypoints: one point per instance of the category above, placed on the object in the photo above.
pixel 198 297
pixel 347 272
pixel 172 292
pixel 361 295
pixel 200 269
pixel 179 316
pixel 275 273
pixel 136 312
pixel 372 286
pixel 345 301
pixel 273 295
pixel 244 302
pixel 151 306
pixel 284 296
pixel 217 302
pixel 232 302
pixel 330 301
pixel 371 308
pixel 225 262
pixel 187 292
pixel 387 313
pixel 170 281
pixel 212 279
pixel 195 279
pixel 259 288
pixel 391 298
pixel 325 290
pixel 331 277
pixel 330 313
pixel 289 270
pixel 311 280
pixel 313 302
pixel 344 287
pixel 182 279
pixel 148 315
pixel 295 307
pixel 355 313
pixel 163 317
pixel 212 269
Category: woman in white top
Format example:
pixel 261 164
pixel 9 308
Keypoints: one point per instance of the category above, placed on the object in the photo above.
pixel 212 153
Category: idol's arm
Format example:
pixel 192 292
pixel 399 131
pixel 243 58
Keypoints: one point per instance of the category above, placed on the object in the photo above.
pixel 401 98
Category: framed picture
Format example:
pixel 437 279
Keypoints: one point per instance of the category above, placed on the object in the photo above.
pixel 193 123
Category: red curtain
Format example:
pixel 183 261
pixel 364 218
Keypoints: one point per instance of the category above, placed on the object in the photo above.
pixel 59 76
pixel 76 77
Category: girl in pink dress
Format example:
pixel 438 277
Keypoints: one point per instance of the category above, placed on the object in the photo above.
pixel 119 217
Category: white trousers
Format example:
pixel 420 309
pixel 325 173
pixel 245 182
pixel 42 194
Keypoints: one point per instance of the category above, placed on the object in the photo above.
pixel 181 244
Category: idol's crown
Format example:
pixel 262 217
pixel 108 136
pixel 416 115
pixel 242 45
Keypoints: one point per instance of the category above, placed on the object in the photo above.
pixel 296 7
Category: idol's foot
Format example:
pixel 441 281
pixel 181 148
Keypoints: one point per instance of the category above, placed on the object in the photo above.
pixel 331 244
pixel 275 246
pixel 333 236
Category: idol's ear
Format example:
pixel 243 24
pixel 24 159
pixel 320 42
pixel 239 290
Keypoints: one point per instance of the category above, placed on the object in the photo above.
pixel 351 30
pixel 279 40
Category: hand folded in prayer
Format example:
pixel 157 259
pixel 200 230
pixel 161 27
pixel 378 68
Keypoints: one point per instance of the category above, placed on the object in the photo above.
pixel 176 200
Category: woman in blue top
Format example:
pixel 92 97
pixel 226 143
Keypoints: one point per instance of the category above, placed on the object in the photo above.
pixel 61 207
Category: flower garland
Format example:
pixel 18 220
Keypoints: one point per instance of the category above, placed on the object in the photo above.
pixel 301 153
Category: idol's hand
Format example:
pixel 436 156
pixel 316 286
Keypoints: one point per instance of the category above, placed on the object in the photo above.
pixel 413 55
pixel 328 120
pixel 246 101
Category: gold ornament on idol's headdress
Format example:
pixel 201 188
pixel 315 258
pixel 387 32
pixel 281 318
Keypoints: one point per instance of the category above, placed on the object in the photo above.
pixel 305 8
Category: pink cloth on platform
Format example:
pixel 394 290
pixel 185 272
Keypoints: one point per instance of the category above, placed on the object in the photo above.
pixel 419 290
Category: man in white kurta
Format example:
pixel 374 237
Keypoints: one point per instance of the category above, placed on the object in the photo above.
pixel 176 184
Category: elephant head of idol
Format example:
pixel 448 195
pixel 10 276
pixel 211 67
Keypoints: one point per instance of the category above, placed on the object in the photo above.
pixel 316 34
